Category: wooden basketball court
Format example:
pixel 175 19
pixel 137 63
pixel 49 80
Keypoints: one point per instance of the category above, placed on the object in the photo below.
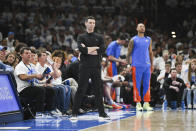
pixel 121 120
pixel 153 121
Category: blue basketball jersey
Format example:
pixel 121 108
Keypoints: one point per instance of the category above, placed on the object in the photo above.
pixel 140 53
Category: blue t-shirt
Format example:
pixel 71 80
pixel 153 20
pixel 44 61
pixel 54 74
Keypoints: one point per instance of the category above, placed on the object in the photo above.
pixel 140 53
pixel 114 50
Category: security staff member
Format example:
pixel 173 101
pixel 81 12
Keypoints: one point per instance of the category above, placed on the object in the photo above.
pixel 91 46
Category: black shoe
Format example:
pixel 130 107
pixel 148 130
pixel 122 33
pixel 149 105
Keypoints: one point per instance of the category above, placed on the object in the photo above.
pixel 104 117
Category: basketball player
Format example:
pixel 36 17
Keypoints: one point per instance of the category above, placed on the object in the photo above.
pixel 140 52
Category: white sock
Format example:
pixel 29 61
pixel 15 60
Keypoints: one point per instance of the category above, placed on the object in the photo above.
pixel 117 89
pixel 138 103
pixel 146 102
pixel 110 102
pixel 121 100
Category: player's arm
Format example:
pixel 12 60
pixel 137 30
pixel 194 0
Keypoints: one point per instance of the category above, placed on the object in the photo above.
pixel 112 58
pixel 151 55
pixel 130 49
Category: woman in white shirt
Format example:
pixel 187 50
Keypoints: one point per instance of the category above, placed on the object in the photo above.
pixel 190 81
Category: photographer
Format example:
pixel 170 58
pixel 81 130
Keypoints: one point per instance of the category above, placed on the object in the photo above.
pixel 174 88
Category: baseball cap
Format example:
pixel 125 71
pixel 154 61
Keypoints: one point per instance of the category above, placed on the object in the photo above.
pixel 10 33
pixel 3 48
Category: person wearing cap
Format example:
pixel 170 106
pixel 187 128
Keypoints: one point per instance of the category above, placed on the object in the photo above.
pixel 140 52
pixel 10 41
pixel 2 53
pixel 113 53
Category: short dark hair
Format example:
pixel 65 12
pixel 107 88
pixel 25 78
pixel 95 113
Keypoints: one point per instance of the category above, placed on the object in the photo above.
pixel 33 51
pixel 123 37
pixel 39 54
pixel 178 63
pixel 88 17
pixel 23 49
pixel 172 69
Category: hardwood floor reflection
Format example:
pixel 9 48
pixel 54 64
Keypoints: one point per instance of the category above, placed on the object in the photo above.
pixel 153 121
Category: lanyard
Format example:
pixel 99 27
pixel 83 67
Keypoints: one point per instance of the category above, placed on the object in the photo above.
pixel 30 69
pixel 31 72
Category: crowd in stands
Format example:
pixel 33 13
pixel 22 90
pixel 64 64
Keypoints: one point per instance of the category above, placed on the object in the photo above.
pixel 39 39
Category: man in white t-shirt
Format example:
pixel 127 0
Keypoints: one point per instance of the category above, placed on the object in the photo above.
pixel 26 76
pixel 62 91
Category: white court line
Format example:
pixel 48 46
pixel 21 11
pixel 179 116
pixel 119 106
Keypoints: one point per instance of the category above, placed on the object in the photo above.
pixel 14 128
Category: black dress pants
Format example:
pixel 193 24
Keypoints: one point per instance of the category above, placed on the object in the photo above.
pixel 84 75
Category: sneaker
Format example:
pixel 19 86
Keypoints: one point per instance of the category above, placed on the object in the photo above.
pixel 74 118
pixel 189 106
pixel 194 106
pixel 139 107
pixel 124 106
pixel 58 112
pixel 104 117
pixel 115 106
pixel 81 111
pixel 55 113
pixel 147 107
pixel 108 106
pixel 39 115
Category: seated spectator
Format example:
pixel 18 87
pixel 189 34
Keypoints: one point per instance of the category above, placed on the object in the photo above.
pixel 53 79
pixel 174 88
pixel 26 76
pixel 58 83
pixel 190 81
pixel 34 57
pixel 72 75
pixel 61 54
pixel 116 82
pixel 10 59
pixel 4 66
pixel 160 63
pixel 3 51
